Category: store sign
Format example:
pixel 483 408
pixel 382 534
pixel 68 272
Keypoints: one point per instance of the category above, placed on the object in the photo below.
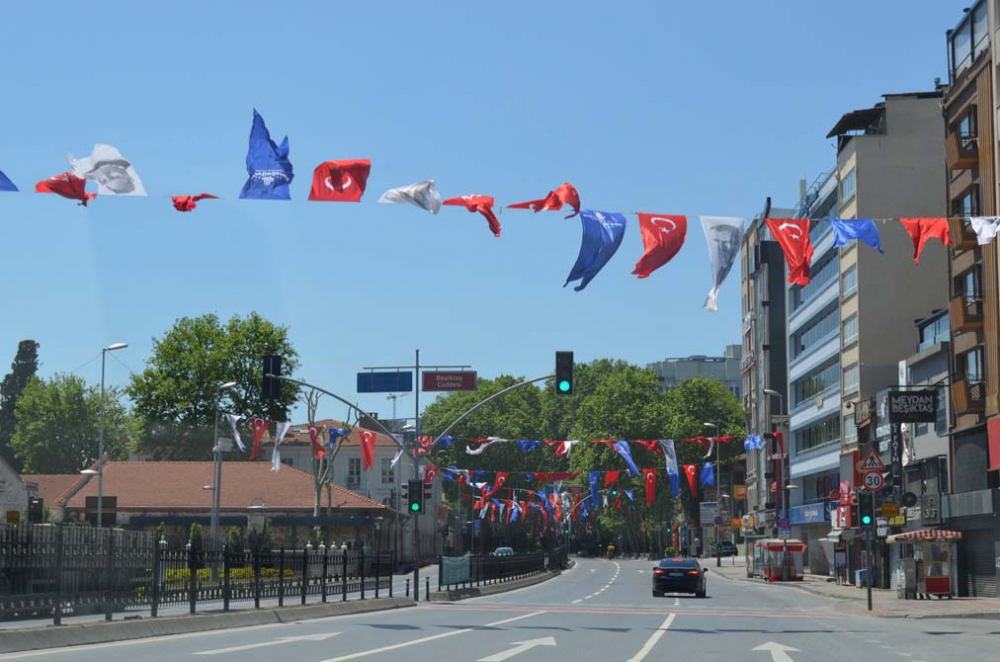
pixel 708 510
pixel 740 492
pixel 913 406
pixel 811 514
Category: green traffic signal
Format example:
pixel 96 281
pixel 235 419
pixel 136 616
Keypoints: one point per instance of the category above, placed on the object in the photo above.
pixel 866 519
pixel 564 386
pixel 415 507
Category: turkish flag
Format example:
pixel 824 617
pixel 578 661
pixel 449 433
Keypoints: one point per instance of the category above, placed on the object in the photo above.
pixel 662 237
pixel 922 229
pixel 430 473
pixel 259 428
pixel 651 445
pixel 690 471
pixel 793 236
pixel 367 443
pixel 611 477
pixel 501 479
pixel 564 195
pixel 340 181
pixel 618 502
pixel 67 185
pixel 649 476
pixel 481 203
pixel 189 202
pixel 318 449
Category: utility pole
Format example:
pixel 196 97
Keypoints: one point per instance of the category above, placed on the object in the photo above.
pixel 416 518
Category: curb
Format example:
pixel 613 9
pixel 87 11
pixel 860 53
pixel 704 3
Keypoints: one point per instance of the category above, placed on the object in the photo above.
pixel 14 641
pixel 491 589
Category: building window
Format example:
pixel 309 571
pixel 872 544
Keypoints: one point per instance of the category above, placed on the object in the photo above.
pixel 817 381
pixel 825 432
pixel 936 332
pixel 969 40
pixel 353 472
pixel 388 477
pixel 967 285
pixel 820 275
pixel 967 205
pixel 850 432
pixel 816 330
pixel 850 333
pixel 818 230
pixel 851 378
pixel 970 364
pixel 848 186
pixel 941 424
pixel 850 280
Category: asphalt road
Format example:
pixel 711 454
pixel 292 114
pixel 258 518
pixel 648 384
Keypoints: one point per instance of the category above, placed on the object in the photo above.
pixel 600 610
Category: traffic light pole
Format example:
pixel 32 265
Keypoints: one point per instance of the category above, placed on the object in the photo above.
pixel 416 517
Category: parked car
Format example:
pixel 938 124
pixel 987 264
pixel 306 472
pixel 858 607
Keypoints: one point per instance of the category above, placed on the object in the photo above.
pixel 503 551
pixel 727 548
pixel 679 576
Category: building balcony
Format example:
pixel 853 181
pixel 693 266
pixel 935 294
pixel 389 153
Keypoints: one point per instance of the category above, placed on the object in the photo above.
pixel 961 234
pixel 966 312
pixel 961 151
pixel 967 397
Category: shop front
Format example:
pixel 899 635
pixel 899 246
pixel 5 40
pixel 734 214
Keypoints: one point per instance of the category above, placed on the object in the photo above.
pixel 926 565
pixel 810 524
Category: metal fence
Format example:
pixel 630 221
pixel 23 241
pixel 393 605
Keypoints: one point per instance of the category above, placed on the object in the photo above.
pixel 490 569
pixel 57 571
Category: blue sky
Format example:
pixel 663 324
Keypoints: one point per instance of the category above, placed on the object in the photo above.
pixel 669 107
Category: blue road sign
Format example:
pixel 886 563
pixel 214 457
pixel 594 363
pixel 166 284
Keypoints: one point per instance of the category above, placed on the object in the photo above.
pixel 385 382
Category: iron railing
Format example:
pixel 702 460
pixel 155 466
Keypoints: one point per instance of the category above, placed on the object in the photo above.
pixel 490 569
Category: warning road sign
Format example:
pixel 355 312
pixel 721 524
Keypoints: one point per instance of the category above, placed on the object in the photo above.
pixel 872 462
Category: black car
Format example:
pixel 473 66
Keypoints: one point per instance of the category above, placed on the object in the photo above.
pixel 679 576
pixel 726 548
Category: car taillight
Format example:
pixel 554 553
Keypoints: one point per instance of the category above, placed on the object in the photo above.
pixel 693 572
pixel 657 571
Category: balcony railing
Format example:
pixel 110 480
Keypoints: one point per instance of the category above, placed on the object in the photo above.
pixel 961 151
pixel 961 233
pixel 968 397
pixel 966 312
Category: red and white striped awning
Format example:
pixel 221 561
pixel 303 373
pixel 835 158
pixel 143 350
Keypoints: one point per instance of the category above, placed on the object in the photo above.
pixel 924 534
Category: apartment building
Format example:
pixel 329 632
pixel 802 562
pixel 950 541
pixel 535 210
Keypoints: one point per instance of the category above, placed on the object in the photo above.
pixel 724 369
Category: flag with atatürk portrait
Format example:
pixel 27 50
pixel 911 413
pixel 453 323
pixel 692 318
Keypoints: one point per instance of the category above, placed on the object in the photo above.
pixel 112 172
pixel 723 235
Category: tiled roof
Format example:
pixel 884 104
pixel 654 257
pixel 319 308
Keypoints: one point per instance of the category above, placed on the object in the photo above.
pixel 51 487
pixel 299 434
pixel 180 486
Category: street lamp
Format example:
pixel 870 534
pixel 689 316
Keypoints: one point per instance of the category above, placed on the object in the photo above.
pixel 216 486
pixel 100 443
pixel 786 483
pixel 718 499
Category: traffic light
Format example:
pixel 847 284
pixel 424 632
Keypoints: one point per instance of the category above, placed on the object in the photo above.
pixel 270 386
pixel 668 528
pixel 866 508
pixel 564 373
pixel 415 494
pixel 36 507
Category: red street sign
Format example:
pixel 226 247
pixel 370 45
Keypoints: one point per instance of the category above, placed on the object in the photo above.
pixel 444 380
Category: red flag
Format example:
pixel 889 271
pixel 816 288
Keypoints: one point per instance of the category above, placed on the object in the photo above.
pixel 541 476
pixel 501 479
pixel 189 202
pixel 652 445
pixel 611 477
pixel 67 185
pixel 367 443
pixel 340 181
pixel 662 237
pixel 564 195
pixel 922 229
pixel 317 447
pixel 618 501
pixel 793 236
pixel 430 473
pixel 481 203
pixel 575 512
pixel 649 476
pixel 690 470
pixel 259 428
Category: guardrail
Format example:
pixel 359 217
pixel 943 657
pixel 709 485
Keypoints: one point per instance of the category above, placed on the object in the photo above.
pixel 489 569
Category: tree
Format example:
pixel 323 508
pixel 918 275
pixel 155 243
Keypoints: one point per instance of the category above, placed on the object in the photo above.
pixel 322 467
pixel 177 395
pixel 58 425
pixel 23 368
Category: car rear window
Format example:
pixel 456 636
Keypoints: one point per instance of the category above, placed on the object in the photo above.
pixel 678 563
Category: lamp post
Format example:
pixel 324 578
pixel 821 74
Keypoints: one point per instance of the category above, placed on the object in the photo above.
pixel 217 481
pixel 786 483
pixel 718 499
pixel 100 443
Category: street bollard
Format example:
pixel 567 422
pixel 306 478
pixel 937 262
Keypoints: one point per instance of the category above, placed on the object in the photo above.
pixel 407 587
pixel 281 577
pixel 427 589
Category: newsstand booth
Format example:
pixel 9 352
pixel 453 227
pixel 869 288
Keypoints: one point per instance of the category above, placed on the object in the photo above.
pixel 774 555
pixel 925 563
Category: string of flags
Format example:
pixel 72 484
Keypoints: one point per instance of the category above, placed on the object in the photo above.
pixel 270 173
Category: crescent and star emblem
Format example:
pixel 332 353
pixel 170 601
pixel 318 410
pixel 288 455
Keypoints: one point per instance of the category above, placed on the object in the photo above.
pixel 791 226
pixel 345 183
pixel 661 222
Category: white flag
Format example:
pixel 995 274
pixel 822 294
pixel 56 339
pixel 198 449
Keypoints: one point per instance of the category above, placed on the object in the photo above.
pixel 423 195
pixel 395 459
pixel 671 456
pixel 113 173
pixel 278 436
pixel 486 444
pixel 233 418
pixel 723 235
pixel 985 228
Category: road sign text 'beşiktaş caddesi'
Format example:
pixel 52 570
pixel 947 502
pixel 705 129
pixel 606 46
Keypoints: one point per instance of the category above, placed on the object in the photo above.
pixel 449 380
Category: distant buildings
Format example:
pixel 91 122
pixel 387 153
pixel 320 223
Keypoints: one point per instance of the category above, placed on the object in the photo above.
pixel 724 369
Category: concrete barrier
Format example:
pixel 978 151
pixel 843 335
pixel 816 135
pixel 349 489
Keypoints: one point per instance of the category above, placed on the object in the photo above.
pixel 491 589
pixel 12 641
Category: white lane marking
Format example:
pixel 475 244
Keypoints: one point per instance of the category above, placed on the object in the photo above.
pixel 904 654
pixel 872 641
pixel 677 602
pixel 374 651
pixel 576 601
pixel 280 640
pixel 519 647
pixel 655 637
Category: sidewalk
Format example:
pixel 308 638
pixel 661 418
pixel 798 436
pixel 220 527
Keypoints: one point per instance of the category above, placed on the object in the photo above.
pixel 885 604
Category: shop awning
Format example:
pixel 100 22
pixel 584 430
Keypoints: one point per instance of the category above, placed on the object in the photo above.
pixel 838 535
pixel 924 534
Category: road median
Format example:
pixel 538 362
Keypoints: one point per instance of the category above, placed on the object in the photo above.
pixel 13 641
pixel 491 589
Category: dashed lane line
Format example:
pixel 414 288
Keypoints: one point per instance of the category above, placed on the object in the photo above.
pixel 653 639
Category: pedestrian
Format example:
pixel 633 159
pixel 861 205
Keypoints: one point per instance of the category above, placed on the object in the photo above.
pixel 697 547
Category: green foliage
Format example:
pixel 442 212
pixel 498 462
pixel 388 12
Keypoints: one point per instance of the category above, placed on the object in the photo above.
pixel 23 368
pixel 235 541
pixel 197 539
pixel 58 425
pixel 176 396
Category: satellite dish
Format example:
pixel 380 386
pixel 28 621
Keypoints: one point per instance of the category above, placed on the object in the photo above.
pixel 909 499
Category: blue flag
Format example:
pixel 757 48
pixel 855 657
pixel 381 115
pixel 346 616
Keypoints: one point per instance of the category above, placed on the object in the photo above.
pixel 862 229
pixel 267 164
pixel 336 433
pixel 594 476
pixel 445 441
pixel 623 450
pixel 628 493
pixel 528 475
pixel 675 483
pixel 6 184
pixel 707 474
pixel 528 445
pixel 602 235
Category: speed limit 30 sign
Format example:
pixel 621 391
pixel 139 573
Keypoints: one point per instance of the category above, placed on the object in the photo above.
pixel 872 481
